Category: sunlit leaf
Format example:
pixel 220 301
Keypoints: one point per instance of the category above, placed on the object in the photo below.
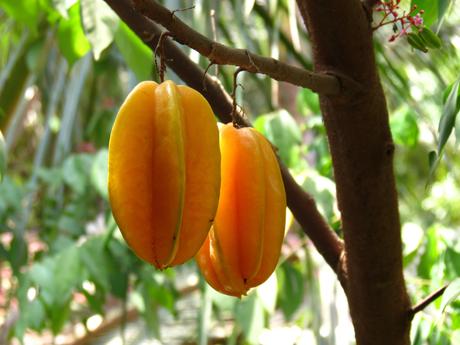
pixel 62 6
pixel 412 236
pixel 323 190
pixel 430 255
pixel 75 171
pixel 71 37
pixel 27 12
pixel 248 6
pixel 100 24
pixel 451 294
pixel 443 5
pixel 221 301
pixel 452 260
pixel 95 259
pixel 249 315
pixel 430 8
pixel 35 315
pixel 404 127
pixel 137 55
pixel 449 114
pixel 307 102
pixel 99 173
pixel 282 130
pixel 66 274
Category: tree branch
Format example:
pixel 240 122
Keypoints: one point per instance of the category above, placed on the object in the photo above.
pixel 300 203
pixel 222 55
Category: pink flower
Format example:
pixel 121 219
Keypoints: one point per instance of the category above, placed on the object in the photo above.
pixel 418 21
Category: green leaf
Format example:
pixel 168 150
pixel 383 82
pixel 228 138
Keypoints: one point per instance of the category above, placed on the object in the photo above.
pixel 11 196
pixel 248 6
pixel 222 302
pixel 249 316
pixel 323 191
pixel 119 282
pixel 430 255
pixel 291 289
pixel 156 291
pixel 137 55
pixel 100 24
pixel 404 127
pixel 75 171
pixel 57 277
pixel 62 6
pixel 99 173
pixel 451 294
pixel 282 130
pixel 71 37
pixel 96 300
pixel 430 39
pixel 41 274
pixel 416 42
pixel 59 315
pixel 18 253
pixel 430 8
pixel 452 260
pixel 35 315
pixel 96 261
pixel 67 274
pixel 27 12
pixel 307 102
pixel 449 114
pixel 2 157
pixel 443 5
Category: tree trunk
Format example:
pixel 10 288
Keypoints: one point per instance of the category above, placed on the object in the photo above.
pixel 361 146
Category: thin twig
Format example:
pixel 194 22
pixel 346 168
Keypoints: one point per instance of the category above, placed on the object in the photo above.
pixel 235 119
pixel 160 47
pixel 205 74
pixel 427 300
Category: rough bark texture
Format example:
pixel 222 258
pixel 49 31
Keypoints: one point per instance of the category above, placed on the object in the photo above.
pixel 362 153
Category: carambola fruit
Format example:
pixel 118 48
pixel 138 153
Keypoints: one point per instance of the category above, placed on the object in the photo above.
pixel 164 171
pixel 243 247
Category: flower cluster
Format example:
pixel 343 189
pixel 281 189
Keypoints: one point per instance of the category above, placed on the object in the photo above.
pixel 403 22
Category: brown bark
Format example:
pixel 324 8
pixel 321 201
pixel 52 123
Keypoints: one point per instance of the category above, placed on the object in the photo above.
pixel 362 153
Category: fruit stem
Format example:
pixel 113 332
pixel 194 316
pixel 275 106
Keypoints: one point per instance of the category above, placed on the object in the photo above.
pixel 233 95
pixel 160 50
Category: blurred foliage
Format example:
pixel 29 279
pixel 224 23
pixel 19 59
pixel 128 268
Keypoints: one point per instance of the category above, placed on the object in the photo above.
pixel 66 66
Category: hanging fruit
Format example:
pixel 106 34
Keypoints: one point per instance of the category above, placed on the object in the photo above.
pixel 164 171
pixel 243 246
